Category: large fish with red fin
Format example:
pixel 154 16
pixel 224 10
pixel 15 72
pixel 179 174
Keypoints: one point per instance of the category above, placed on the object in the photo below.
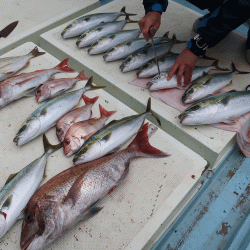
pixel 72 195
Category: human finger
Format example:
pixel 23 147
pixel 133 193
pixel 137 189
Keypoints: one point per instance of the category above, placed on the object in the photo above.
pixel 180 73
pixel 172 71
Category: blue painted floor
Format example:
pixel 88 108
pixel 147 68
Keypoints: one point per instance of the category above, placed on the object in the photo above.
pixel 218 217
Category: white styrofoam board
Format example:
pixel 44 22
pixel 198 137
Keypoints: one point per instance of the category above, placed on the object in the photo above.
pixel 213 144
pixel 35 16
pixel 146 198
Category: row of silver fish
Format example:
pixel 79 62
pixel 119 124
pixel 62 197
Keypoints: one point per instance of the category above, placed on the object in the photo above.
pixel 85 23
pixel 73 195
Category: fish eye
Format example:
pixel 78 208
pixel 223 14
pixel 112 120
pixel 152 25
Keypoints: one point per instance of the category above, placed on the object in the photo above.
pixel 29 218
pixel 59 130
pixel 67 142
pixel 196 107
pixel 38 91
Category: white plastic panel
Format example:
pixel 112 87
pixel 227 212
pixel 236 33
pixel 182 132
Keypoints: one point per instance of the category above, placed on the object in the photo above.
pixel 209 142
pixel 139 205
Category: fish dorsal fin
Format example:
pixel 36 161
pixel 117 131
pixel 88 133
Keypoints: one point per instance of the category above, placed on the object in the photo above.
pixel 12 176
pixel 7 201
pixel 106 137
pixel 166 35
pixel 204 73
pixel 113 121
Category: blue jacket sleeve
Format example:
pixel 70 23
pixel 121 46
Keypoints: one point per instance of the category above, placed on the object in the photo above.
pixel 217 25
pixel 155 5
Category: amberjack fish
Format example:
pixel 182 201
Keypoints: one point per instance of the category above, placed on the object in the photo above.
pixel 19 188
pixel 85 23
pixel 218 108
pixel 72 195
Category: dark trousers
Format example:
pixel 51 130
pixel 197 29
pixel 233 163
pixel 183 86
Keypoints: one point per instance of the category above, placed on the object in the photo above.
pixel 212 5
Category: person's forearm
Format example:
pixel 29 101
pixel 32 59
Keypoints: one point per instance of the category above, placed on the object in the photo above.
pixel 157 5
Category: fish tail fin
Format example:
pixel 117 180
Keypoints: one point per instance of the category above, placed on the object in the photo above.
pixel 105 113
pixel 141 145
pixel 89 100
pixel 148 110
pixel 216 65
pixel 129 20
pixel 123 10
pixel 238 72
pixel 89 85
pixel 207 57
pixel 36 53
pixel 81 76
pixel 63 66
pixel 49 148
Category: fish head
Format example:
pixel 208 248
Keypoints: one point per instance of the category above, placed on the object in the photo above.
pixel 199 113
pixel 155 81
pixel 71 144
pixel 39 227
pixel 43 93
pixel 61 130
pixel 3 223
pixel 72 30
pixel 27 132
pixel 125 66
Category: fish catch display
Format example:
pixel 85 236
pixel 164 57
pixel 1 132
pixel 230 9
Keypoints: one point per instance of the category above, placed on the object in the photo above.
pixel 85 23
pixel 77 115
pixel 11 65
pixel 79 132
pixel 73 195
pixel 55 87
pixel 49 113
pixel 111 137
pixel 26 84
pixel 91 36
pixel 19 188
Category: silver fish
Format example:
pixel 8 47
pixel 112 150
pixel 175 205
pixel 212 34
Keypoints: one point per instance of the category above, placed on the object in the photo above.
pixel 207 85
pixel 219 108
pixel 85 23
pixel 107 42
pixel 26 84
pixel 91 36
pixel 125 49
pixel 141 57
pixel 111 137
pixel 11 65
pixel 49 113
pixel 72 195
pixel 19 188
pixel 56 87
pixel 161 82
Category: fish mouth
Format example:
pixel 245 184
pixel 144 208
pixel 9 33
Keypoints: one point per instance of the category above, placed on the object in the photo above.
pixel 78 44
pixel 16 139
pixel 89 50
pixel 149 84
pixel 62 34
pixel 182 117
pixel 25 246
pixel 105 57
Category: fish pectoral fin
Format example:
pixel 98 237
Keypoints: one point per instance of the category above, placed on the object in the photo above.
pixel 10 178
pixel 7 202
pixel 44 111
pixel 230 120
pixel 106 137
pixel 10 72
pixel 91 212
pixel 75 191
pixel 21 215
pixel 113 121
pixel 31 91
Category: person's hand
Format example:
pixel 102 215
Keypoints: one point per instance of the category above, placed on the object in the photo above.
pixel 151 19
pixel 185 64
